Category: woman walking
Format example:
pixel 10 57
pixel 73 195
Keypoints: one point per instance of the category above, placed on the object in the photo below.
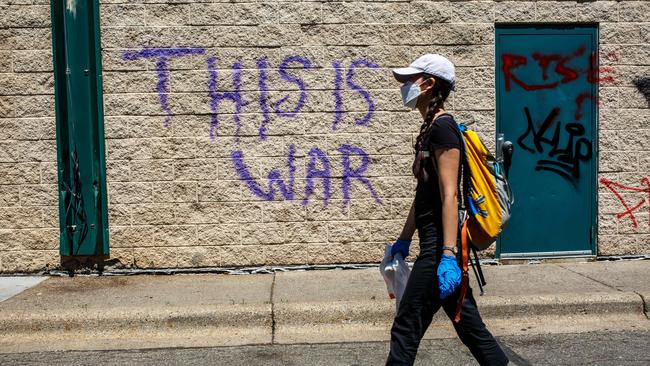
pixel 435 278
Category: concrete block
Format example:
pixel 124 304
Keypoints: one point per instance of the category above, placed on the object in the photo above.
pixel 301 13
pixel 480 99
pixel 195 169
pixel 175 191
pixel 130 82
pixel 306 232
pixel 34 106
pixel 39 195
pixel 598 11
pixel 33 38
pixel 119 214
pixel 28 261
pixel 633 11
pixel 514 11
pixel 19 173
pixel 263 233
pixel 119 192
pixel 29 239
pixel 122 15
pixel 27 128
pixel 7 109
pixel 431 12
pixel 344 12
pixel 166 14
pixel 368 34
pixel 33 16
pixel 389 12
pixel 349 231
pixel 152 170
pixel 175 235
pixel 154 214
pixel 221 234
pixel 128 149
pixel 5 62
pixel 131 236
pixel 556 11
pixel 617 162
pixel 473 12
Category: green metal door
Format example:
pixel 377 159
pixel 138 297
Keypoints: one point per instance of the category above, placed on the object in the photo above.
pixel 83 215
pixel 547 85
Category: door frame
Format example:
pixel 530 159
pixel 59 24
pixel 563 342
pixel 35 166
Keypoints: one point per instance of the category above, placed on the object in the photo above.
pixel 500 28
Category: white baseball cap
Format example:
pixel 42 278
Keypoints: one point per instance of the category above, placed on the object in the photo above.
pixel 433 64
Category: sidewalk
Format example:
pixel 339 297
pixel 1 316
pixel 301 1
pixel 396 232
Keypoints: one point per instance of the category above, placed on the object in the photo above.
pixel 113 312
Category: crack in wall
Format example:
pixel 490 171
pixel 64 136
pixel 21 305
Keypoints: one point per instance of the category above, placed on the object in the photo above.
pixel 272 311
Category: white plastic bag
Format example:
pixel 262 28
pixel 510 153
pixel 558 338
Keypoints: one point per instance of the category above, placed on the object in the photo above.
pixel 395 272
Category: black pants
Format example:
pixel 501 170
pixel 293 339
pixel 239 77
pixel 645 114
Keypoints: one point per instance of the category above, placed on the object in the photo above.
pixel 421 300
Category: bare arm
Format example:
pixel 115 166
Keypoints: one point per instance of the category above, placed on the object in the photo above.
pixel 447 161
pixel 409 225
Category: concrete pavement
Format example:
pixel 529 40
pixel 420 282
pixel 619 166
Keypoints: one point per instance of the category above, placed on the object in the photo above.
pixel 319 306
pixel 12 286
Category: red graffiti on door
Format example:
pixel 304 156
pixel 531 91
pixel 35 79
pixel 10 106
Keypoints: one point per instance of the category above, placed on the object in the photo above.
pixel 562 73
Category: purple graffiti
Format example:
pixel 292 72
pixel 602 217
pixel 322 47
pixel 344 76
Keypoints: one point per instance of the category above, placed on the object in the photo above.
pixel 274 176
pixel 262 65
pixel 349 173
pixel 312 173
pixel 301 85
pixel 371 105
pixel 162 71
pixel 216 97
pixel 338 99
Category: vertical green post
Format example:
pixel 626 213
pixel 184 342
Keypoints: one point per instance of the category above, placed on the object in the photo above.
pixel 83 213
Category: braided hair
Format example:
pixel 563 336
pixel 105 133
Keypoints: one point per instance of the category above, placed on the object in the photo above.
pixel 439 94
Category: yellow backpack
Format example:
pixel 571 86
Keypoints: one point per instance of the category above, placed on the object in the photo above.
pixel 488 200
pixel 487 194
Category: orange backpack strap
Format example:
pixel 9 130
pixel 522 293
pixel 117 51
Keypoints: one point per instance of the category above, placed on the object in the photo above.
pixel 464 250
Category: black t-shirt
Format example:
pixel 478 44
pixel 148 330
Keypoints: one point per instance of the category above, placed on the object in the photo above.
pixel 428 204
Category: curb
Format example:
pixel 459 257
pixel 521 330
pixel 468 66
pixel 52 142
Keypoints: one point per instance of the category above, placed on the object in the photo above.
pixel 312 313
pixel 239 316
pixel 491 307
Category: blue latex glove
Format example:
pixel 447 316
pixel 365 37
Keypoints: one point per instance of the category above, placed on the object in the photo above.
pixel 400 246
pixel 448 275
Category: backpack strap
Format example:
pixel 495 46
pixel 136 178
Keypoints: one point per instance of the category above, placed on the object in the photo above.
pixel 464 284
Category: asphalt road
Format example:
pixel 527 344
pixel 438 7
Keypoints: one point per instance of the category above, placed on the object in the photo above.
pixel 597 348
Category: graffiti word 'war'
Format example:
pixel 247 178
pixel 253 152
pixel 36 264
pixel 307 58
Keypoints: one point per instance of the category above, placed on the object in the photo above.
pixel 318 169
pixel 618 189
pixel 563 160
pixel 279 184
pixel 268 108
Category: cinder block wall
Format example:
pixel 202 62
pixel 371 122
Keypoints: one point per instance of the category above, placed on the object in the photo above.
pixel 222 118
pixel 28 180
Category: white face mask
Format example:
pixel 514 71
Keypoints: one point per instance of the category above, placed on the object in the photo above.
pixel 410 93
